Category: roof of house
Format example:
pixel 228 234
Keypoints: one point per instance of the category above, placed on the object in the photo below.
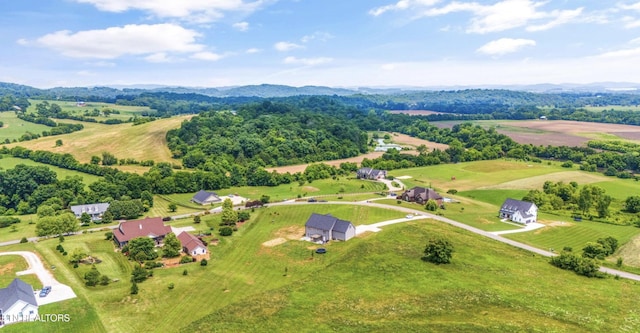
pixel 190 241
pixel 17 290
pixel 425 193
pixel 513 205
pixel 341 225
pixel 90 208
pixel 148 227
pixel 370 171
pixel 327 222
pixel 203 195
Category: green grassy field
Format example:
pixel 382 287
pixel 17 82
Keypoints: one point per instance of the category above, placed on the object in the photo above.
pixel 379 284
pixel 314 189
pixel 473 175
pixel 374 282
pixel 574 234
pixel 142 142
pixel 23 229
pixel 125 111
pixel 14 128
pixel 240 267
pixel 8 162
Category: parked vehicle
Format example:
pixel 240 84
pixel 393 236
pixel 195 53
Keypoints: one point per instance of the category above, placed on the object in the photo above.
pixel 45 291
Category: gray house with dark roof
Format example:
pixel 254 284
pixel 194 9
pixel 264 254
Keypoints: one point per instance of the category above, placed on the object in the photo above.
pixel 326 227
pixel 94 210
pixel 519 211
pixel 369 173
pixel 421 195
pixel 17 303
pixel 204 198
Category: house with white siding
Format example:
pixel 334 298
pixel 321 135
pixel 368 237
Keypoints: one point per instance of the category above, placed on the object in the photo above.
pixel 17 303
pixel 323 228
pixel 519 211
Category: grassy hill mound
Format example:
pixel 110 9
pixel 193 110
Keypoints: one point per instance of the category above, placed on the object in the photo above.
pixel 380 285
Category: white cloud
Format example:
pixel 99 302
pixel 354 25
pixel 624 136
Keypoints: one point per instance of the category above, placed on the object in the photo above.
pixel 253 50
pixel 158 57
pixel 561 17
pixel 631 54
pixel 22 42
pixel 241 26
pixel 208 56
pixel 402 5
pixel 307 61
pixel 503 46
pixel 115 42
pixel 634 6
pixel 500 16
pixel 632 24
pixel 286 46
pixel 318 35
pixel 389 67
pixel 191 10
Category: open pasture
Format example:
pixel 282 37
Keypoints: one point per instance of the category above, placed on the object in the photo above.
pixel 472 175
pixel 8 162
pixel 14 128
pixel 555 132
pixel 142 142
pixel 75 108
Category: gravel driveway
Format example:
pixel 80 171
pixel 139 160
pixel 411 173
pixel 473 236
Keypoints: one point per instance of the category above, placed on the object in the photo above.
pixel 59 291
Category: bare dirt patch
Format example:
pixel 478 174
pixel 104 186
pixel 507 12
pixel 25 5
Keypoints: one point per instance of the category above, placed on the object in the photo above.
pixel 274 242
pixel 4 269
pixel 291 232
pixel 403 139
pixel 544 139
pixel 336 163
pixel 310 189
pixel 415 112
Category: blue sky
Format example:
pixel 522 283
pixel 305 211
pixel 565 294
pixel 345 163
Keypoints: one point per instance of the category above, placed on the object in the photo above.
pixel 347 43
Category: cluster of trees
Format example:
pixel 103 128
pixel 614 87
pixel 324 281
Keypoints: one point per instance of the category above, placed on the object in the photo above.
pixel 601 248
pixel 268 134
pixel 8 101
pixel 55 225
pixel 563 196
pixel 580 265
pixel 438 251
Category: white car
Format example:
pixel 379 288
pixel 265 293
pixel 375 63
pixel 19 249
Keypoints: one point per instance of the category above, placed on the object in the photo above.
pixel 409 216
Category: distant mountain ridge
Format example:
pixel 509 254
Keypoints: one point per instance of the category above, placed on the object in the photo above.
pixel 273 90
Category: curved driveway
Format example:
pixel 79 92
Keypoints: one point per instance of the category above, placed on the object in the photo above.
pixel 59 291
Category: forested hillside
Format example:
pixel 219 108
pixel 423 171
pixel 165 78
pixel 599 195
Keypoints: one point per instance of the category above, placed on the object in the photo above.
pixel 269 134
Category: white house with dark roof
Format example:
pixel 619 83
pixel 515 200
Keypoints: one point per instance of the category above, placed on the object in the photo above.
pixel 94 210
pixel 369 173
pixel 326 227
pixel 204 198
pixel 17 303
pixel 519 211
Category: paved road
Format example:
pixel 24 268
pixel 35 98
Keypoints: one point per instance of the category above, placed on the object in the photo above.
pixel 59 291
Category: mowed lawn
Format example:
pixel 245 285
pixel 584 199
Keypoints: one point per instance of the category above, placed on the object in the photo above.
pixel 573 234
pixel 141 142
pixel 379 284
pixel 473 175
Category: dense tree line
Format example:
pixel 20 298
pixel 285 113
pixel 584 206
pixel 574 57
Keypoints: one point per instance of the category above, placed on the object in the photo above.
pixel 267 134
